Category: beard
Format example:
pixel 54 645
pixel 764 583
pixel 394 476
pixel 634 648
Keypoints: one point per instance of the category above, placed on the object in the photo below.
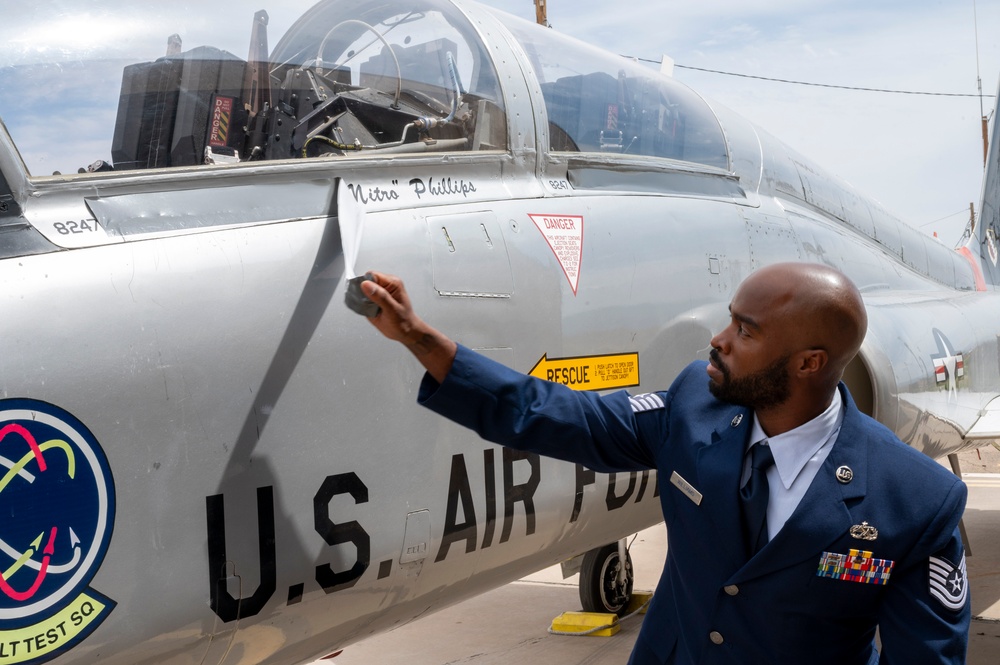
pixel 760 390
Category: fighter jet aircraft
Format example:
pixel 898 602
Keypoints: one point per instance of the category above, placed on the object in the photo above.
pixel 205 457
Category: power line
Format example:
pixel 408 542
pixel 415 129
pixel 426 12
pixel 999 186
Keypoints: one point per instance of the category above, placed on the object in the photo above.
pixel 819 85
pixel 963 211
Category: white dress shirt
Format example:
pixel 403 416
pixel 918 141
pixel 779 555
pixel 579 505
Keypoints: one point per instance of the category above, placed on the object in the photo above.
pixel 798 455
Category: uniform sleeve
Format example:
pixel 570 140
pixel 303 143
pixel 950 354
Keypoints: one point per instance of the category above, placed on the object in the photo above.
pixel 526 413
pixel 926 613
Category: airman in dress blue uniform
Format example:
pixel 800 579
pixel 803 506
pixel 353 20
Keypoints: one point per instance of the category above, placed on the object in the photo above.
pixel 856 531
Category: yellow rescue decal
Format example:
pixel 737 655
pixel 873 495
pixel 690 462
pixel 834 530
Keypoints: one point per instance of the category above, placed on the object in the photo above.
pixel 619 370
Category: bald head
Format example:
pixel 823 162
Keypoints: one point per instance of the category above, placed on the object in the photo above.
pixel 793 329
pixel 815 307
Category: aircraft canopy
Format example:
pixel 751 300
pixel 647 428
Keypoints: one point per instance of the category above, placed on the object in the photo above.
pixel 109 85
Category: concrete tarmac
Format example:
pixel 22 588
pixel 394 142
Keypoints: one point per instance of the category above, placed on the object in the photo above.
pixel 510 624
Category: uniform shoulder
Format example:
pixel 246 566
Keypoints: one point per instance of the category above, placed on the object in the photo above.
pixel 693 374
pixel 659 399
pixel 690 397
pixel 684 386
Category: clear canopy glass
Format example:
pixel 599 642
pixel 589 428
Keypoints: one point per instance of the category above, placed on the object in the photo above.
pixel 600 102
pixel 121 85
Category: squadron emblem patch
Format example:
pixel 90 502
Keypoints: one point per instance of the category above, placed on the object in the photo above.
pixel 948 582
pixel 57 498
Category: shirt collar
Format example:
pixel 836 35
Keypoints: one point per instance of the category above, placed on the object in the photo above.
pixel 794 448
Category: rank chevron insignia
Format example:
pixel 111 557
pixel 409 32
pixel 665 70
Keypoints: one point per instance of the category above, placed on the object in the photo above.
pixel 948 582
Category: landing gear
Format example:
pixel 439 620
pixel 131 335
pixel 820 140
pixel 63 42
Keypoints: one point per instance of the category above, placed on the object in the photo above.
pixel 605 583
pixel 956 468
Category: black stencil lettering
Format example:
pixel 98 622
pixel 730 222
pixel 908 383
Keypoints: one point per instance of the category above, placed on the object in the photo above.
pixel 584 477
pixel 336 534
pixel 458 490
pixel 223 603
pixel 490 481
pixel 385 569
pixel 642 486
pixel 524 493
pixel 615 502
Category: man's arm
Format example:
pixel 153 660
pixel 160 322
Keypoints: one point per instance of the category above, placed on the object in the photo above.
pixel 397 321
pixel 925 615
pixel 510 408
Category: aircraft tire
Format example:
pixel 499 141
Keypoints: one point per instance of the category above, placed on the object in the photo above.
pixel 599 587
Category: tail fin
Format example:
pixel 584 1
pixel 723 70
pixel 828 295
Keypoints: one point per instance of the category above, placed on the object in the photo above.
pixel 984 240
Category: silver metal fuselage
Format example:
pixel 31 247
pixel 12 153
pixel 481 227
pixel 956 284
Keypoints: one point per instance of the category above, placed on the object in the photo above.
pixel 199 333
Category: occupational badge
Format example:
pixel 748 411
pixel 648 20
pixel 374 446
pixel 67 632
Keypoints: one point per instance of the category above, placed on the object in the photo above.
pixel 864 531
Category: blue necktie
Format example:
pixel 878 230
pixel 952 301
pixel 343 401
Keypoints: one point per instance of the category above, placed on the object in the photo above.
pixel 753 496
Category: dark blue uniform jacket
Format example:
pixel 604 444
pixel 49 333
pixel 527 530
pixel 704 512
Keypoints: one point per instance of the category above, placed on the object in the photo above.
pixel 812 596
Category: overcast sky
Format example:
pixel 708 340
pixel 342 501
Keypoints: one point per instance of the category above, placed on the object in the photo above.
pixel 920 156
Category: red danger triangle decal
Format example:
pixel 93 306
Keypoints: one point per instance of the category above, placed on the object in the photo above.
pixel 564 233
